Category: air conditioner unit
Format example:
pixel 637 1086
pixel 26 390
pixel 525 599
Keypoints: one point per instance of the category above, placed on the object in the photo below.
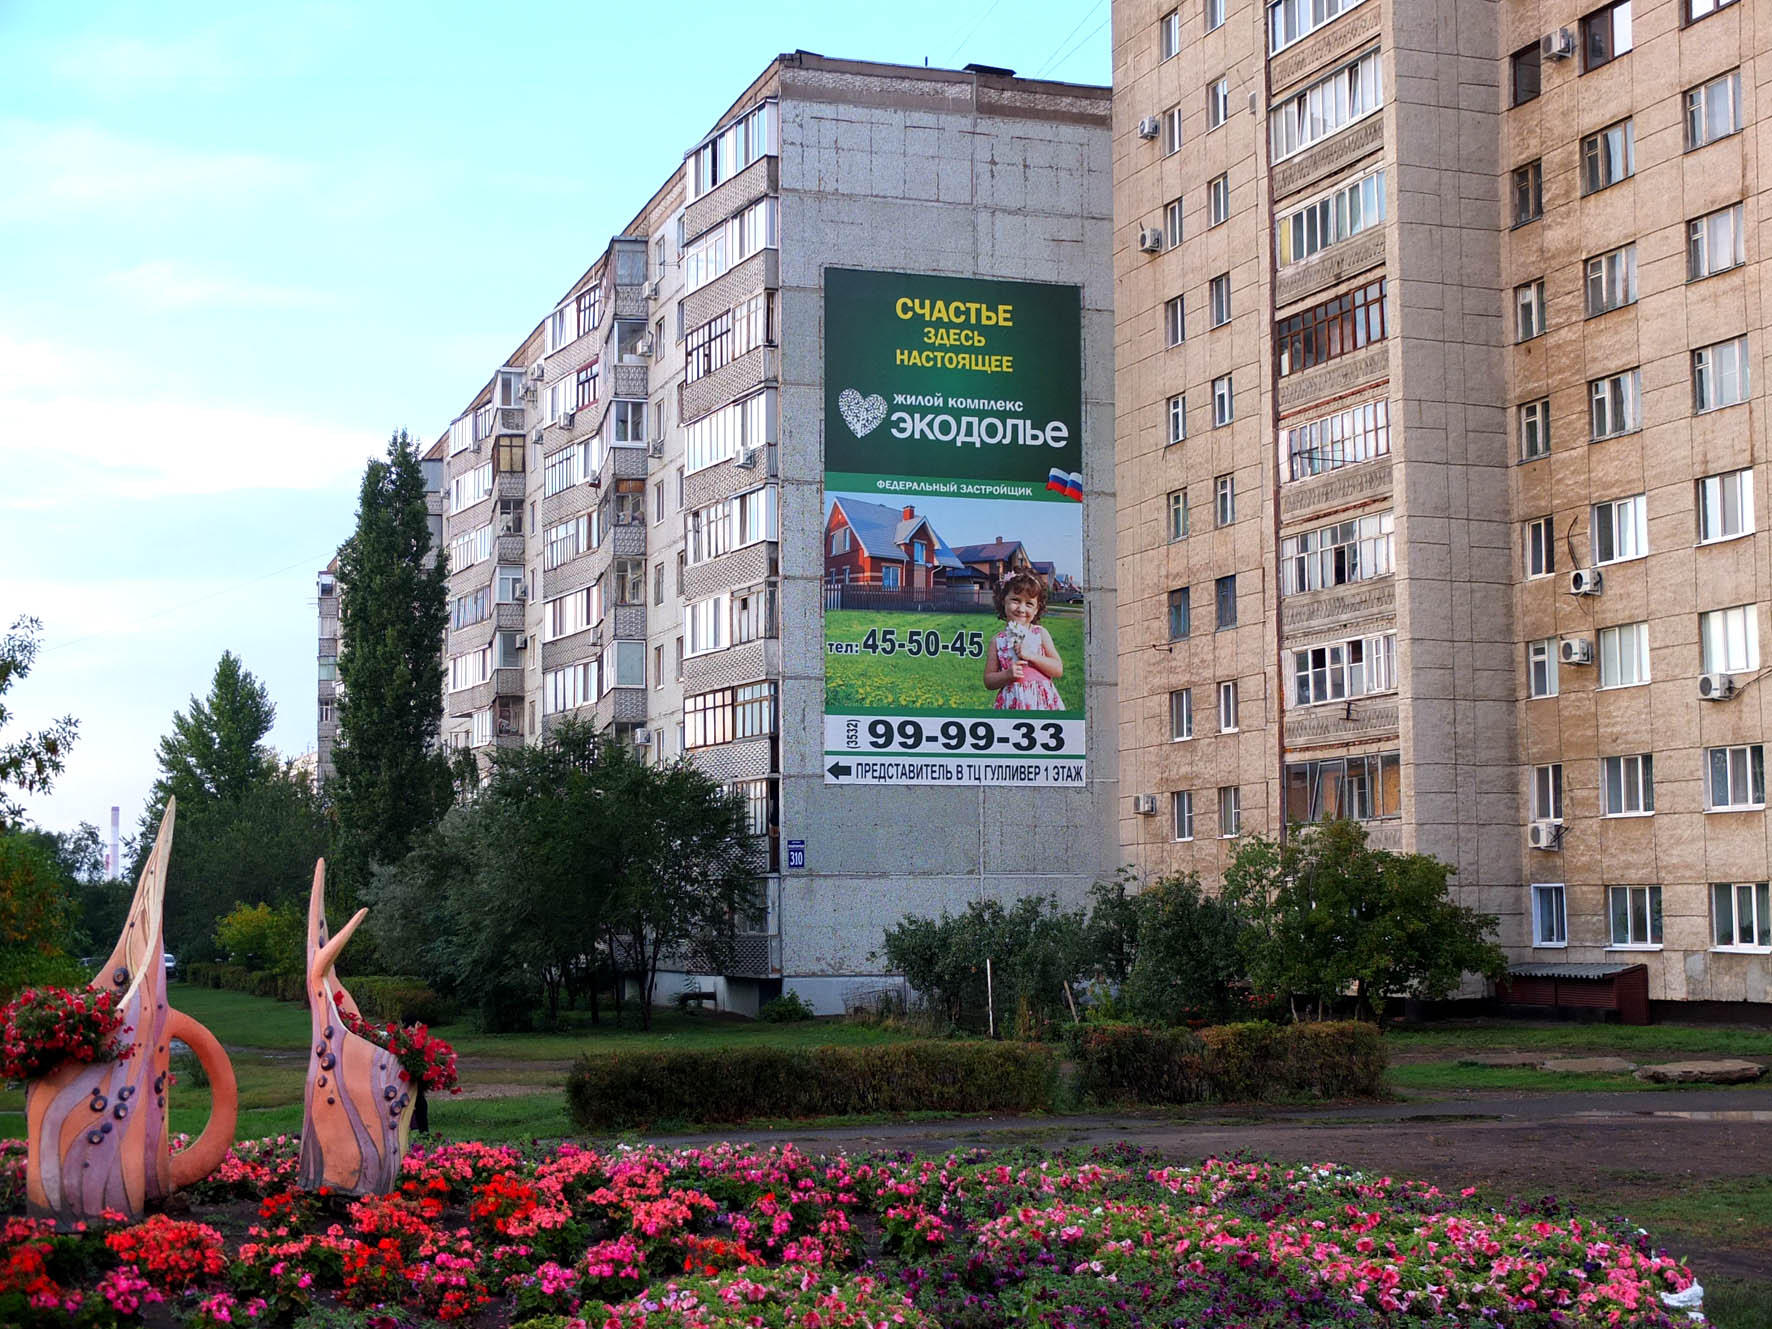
pixel 475 445
pixel 566 418
pixel 519 592
pixel 1545 835
pixel 1150 240
pixel 1575 651
pixel 1558 45
pixel 1145 805
pixel 594 480
pixel 655 448
pixel 747 460
pixel 537 434
pixel 1150 127
pixel 652 290
pixel 1586 581
pixel 522 641
pixel 531 393
pixel 1715 687
pixel 643 346
pixel 537 371
pixel 642 737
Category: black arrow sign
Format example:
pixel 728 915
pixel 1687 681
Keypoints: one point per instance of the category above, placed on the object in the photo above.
pixel 839 770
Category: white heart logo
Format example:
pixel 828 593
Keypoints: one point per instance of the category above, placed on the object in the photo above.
pixel 861 414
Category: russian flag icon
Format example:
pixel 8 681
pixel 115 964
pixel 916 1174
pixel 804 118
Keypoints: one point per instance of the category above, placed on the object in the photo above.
pixel 1068 483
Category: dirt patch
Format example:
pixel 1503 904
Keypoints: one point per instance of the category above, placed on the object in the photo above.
pixel 483 1089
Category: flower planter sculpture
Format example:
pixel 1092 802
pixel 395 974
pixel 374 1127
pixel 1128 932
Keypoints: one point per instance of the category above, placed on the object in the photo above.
pixel 97 1130
pixel 357 1111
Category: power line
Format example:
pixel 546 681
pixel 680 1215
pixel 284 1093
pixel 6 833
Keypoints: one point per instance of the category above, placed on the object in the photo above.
pixel 1053 61
pixel 974 28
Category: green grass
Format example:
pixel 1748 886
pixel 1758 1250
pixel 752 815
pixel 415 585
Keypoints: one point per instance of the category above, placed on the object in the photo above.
pixel 1583 1039
pixel 1735 1303
pixel 945 682
pixel 1447 1077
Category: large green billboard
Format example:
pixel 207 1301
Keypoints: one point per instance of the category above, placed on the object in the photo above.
pixel 953 530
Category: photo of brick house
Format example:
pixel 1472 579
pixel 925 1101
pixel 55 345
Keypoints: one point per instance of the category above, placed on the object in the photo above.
pixel 997 559
pixel 888 548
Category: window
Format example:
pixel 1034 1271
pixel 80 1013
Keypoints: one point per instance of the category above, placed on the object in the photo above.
pixel 658 583
pixel 1177 419
pixel 1605 35
pixel 1180 613
pixel 1358 549
pixel 1627 785
pixel 1214 14
pixel 1550 921
pixel 730 431
pixel 1335 328
pixel 1344 788
pixel 1713 110
pixel 589 307
pixel 1181 807
pixel 1289 20
pixel 1735 778
pixel 1181 715
pixel 1719 375
pixel 1218 200
pixel 1227 707
pixel 570 539
pixel 1224 597
pixel 728 244
pixel 1725 506
pixel 563 689
pixel 1178 514
pixel 1541 667
pixel 1523 74
pixel 1220 291
pixel 328 712
pixel 1697 9
pixel 1169 35
pixel 1172 223
pixel 470 547
pixel 1327 106
pixel 1327 221
pixel 557 331
pixel 1615 404
pixel 1541 547
pixel 470 487
pixel 732 149
pixel 753 614
pixel 471 669
pixel 1218 103
pixel 728 335
pixel 746 711
pixel 1636 915
pixel 567 614
pixel 705 625
pixel 1174 320
pixel 629 576
pixel 474 607
pixel 1224 501
pixel 658 501
pixel 1715 243
pixel 1729 640
pixel 1224 402
pixel 1172 131
pixel 1338 670
pixel 1608 156
pixel 1528 192
pixel 1356 434
pixel 509 585
pixel 1612 280
pixel 1529 310
pixel 1230 811
pixel 629 502
pixel 1624 655
pixel 1547 792
pixel 1740 915
pixel 1534 419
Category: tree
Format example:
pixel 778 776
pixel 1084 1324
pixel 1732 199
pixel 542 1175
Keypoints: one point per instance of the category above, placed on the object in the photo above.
pixel 31 763
pixel 35 917
pixel 1192 950
pixel 390 781
pixel 1331 914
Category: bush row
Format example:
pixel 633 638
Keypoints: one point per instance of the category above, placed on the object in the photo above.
pixel 709 1086
pixel 1228 1063
pixel 378 996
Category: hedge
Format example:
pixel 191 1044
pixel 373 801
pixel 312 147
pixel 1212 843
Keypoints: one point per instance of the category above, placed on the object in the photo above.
pixel 378 996
pixel 704 1087
pixel 1228 1063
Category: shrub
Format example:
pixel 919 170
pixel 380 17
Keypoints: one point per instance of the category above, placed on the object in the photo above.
pixel 705 1086
pixel 1035 950
pixel 1128 1061
pixel 786 1009
pixel 1229 1063
pixel 400 997
pixel 262 938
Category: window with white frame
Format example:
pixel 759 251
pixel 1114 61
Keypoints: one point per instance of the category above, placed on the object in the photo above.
pixel 474 607
pixel 1224 500
pixel 1327 106
pixel 706 625
pixel 1529 310
pixel 564 689
pixel 470 547
pixel 1550 916
pixel 1358 549
pixel 1338 670
pixel 1356 434
pixel 1218 200
pixel 1169 35
pixel 1177 418
pixel 1218 102
pixel 1697 9
pixel 1172 131
pixel 1230 811
pixel 328 712
pixel 734 147
pixel 1172 223
pixel 509 584
pixel 1174 320
pixel 470 669
pixel 1547 792
pixel 1214 14
pixel 1713 110
pixel 1725 506
pixel 589 307
pixel 1611 280
pixel 1339 215
pixel 623 665
pixel 1181 810
pixel 470 487
pixel 1541 547
pixel 1729 640
pixel 1621 529
pixel 1608 156
pixel 1534 424
pixel 732 523
pixel 1740 915
pixel 1735 778
pixel 1715 242
pixel 1624 655
pixel 730 431
pixel 1720 375
pixel 1224 401
pixel 1627 785
pixel 1181 715
pixel 1178 514
pixel 567 614
pixel 1615 404
pixel 1344 788
pixel 1541 667
pixel 753 614
pixel 1227 707
pixel 1290 20
pixel 728 244
pixel 559 328
pixel 1219 289
pixel 1636 916
pixel 461 434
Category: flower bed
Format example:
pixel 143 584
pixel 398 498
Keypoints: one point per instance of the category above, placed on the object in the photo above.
pixel 696 1238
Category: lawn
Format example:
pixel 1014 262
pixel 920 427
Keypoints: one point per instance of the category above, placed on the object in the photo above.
pixel 1651 1042
pixel 945 682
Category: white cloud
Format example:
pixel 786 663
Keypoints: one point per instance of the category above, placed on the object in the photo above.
pixel 162 286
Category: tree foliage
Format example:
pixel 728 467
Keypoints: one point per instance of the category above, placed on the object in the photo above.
pixel 263 939
pixel 390 783
pixel 1192 957
pixel 29 763
pixel 36 919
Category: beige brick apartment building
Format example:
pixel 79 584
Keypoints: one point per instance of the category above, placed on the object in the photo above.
pixel 1438 414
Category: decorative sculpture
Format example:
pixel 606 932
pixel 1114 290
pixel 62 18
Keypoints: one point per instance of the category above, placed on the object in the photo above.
pixel 356 1112
pixel 97 1135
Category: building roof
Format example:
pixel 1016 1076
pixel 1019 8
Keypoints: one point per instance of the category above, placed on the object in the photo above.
pixel 882 530
pixel 1569 970
pixel 1043 568
pixel 997 551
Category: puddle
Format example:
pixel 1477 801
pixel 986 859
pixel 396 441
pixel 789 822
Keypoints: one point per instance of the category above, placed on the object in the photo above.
pixel 1729 1114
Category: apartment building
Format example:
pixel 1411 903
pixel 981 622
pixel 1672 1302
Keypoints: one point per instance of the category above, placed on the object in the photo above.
pixel 663 515
pixel 1436 433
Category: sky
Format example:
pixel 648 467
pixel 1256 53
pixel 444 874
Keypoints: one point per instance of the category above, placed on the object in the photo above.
pixel 242 243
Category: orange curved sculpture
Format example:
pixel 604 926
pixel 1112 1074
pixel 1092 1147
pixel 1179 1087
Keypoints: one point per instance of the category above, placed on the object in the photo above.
pixel 97 1136
pixel 356 1112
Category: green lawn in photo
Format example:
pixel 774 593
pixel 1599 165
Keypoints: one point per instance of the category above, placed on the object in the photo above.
pixel 863 684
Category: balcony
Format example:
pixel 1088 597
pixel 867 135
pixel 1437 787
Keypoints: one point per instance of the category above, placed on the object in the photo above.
pixel 509 549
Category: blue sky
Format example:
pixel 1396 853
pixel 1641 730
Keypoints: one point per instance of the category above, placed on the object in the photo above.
pixel 240 243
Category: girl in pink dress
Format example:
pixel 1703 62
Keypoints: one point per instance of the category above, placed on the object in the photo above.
pixel 1023 663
